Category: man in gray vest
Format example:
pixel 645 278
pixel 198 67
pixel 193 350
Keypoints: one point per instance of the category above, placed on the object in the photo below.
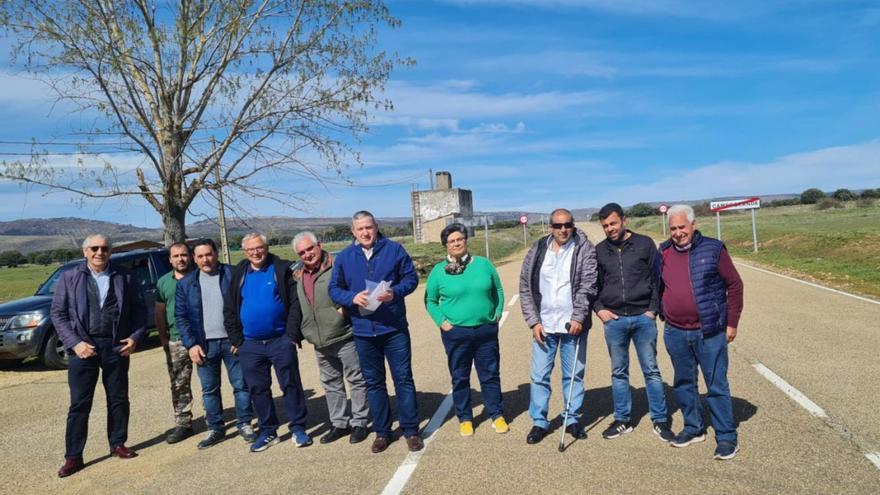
pixel 326 325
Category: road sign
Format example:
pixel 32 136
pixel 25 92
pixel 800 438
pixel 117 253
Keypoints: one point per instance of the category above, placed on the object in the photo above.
pixel 663 209
pixel 523 219
pixel 735 204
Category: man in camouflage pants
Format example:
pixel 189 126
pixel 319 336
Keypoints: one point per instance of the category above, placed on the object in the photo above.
pixel 176 355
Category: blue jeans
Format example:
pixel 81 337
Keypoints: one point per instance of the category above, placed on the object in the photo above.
pixel 477 347
pixel 642 331
pixel 219 351
pixel 257 359
pixel 689 349
pixel 372 353
pixel 543 359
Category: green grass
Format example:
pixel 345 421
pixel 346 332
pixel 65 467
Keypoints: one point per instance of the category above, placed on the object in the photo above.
pixel 23 281
pixel 839 247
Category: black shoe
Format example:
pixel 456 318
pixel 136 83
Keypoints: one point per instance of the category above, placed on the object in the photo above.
pixel 617 429
pixel 179 433
pixel 334 434
pixel 661 429
pixel 536 434
pixel 576 431
pixel 358 434
pixel 213 437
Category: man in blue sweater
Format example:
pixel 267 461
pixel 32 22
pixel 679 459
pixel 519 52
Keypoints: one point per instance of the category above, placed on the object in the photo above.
pixel 382 333
pixel 262 316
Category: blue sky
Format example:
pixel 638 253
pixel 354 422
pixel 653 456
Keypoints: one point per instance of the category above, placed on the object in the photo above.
pixel 536 104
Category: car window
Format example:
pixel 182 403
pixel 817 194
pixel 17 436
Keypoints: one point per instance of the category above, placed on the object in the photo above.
pixel 139 267
pixel 48 287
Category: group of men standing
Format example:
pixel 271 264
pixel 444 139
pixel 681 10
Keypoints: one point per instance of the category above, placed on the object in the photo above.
pixel 251 318
pixel 690 282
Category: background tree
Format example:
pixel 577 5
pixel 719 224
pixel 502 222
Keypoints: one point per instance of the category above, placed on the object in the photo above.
pixel 642 210
pixel 811 196
pixel 870 194
pixel 843 195
pixel 210 93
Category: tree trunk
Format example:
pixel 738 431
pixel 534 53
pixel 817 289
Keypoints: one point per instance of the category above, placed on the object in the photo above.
pixel 174 220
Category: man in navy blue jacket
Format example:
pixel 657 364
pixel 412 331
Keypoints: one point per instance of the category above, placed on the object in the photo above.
pixel 198 313
pixel 381 334
pixel 100 317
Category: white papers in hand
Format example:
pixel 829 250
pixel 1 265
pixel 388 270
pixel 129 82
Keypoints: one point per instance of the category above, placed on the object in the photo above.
pixel 375 290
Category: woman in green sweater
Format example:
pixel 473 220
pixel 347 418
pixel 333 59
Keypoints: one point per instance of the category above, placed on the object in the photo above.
pixel 464 298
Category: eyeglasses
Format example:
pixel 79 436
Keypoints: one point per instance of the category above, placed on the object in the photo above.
pixel 255 249
pixel 566 225
pixel 103 249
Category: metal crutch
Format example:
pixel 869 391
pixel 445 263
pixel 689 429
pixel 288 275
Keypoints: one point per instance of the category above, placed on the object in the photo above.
pixel 570 389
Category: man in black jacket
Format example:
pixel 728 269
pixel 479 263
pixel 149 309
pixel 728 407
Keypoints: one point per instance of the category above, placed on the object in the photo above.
pixel 628 304
pixel 262 317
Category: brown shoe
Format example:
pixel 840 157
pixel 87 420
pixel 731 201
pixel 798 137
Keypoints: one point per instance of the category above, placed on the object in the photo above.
pixel 380 444
pixel 123 452
pixel 70 466
pixel 414 443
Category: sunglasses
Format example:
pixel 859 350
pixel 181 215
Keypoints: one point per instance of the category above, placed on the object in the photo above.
pixel 566 225
pixel 103 249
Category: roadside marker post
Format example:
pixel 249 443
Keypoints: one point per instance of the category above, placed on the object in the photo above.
pixel 737 204
pixel 663 209
pixel 524 220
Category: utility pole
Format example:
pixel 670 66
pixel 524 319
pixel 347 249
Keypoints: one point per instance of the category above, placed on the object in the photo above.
pixel 221 210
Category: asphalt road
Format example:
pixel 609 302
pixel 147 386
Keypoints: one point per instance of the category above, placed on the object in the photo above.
pixel 821 343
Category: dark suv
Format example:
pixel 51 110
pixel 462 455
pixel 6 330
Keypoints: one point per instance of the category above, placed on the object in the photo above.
pixel 26 329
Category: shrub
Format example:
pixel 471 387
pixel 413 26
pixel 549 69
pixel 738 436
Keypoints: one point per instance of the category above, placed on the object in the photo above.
pixel 783 202
pixel 843 195
pixel 642 210
pixel 811 196
pixel 865 202
pixel 871 194
pixel 703 209
pixel 826 203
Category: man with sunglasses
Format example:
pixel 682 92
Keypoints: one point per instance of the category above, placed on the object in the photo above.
pixel 100 317
pixel 557 283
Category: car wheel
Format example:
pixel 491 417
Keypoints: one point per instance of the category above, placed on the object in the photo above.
pixel 54 355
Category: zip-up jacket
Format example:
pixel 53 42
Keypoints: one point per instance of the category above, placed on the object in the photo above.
pixel 717 293
pixel 583 280
pixel 70 312
pixel 188 314
pixel 628 282
pixel 351 270
pixel 324 322
pixel 286 287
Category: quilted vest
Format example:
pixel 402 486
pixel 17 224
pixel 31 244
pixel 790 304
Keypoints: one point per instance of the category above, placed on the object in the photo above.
pixel 710 291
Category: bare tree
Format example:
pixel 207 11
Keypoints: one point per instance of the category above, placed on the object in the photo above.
pixel 249 87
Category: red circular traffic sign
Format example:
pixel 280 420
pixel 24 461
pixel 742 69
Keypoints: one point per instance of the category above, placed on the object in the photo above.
pixel 523 219
pixel 663 208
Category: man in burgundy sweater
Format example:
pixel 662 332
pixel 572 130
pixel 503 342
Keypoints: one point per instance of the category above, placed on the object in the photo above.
pixel 701 302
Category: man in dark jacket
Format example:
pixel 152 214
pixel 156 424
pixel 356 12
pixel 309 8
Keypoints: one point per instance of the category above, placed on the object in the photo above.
pixel 326 325
pixel 557 283
pixel 198 312
pixel 100 317
pixel 701 299
pixel 628 304
pixel 382 332
pixel 262 318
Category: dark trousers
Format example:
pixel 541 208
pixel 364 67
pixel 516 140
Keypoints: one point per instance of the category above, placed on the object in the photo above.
pixel 257 357
pixel 372 353
pixel 477 347
pixel 82 376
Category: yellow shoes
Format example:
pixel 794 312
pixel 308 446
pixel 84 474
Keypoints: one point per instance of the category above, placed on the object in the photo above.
pixel 466 428
pixel 500 425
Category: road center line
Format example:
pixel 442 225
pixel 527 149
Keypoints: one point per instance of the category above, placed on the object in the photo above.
pixel 411 461
pixel 793 393
pixel 513 300
pixel 874 457
pixel 811 284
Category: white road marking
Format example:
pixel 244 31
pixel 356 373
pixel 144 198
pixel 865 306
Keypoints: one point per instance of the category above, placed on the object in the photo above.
pixel 513 300
pixel 795 394
pixel 811 284
pixel 408 466
pixel 874 457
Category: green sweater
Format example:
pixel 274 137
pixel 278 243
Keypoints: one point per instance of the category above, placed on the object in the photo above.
pixel 470 299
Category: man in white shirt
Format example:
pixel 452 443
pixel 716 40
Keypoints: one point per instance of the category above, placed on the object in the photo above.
pixel 557 283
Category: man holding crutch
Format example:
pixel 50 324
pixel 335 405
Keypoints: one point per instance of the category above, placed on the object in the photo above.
pixel 557 283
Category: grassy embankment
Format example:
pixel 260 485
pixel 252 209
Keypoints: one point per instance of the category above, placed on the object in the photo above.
pixel 23 281
pixel 836 247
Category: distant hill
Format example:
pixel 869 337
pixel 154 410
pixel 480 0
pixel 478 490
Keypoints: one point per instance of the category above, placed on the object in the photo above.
pixel 67 226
